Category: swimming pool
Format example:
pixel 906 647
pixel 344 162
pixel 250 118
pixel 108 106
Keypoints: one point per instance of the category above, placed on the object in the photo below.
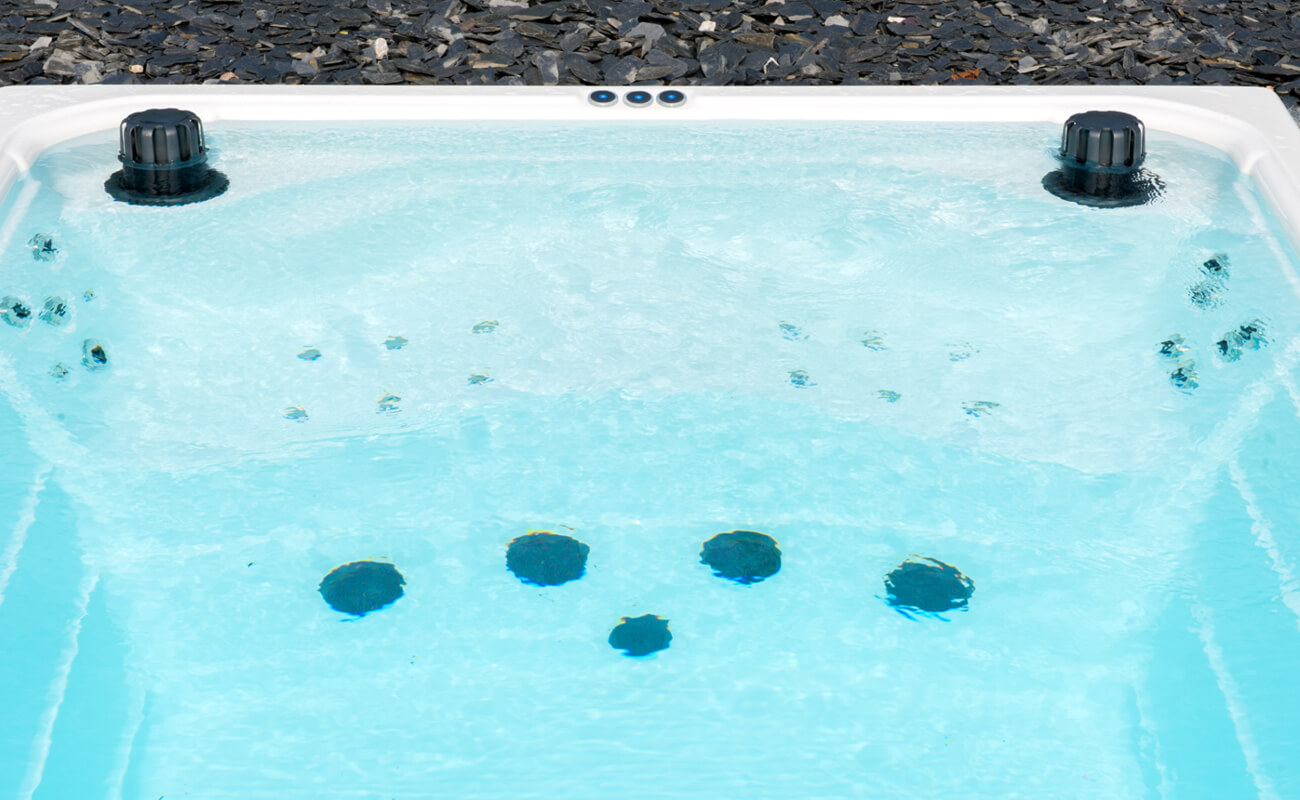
pixel 864 331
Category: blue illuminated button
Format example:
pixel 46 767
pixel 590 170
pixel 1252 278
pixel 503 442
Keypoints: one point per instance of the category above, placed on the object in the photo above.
pixel 672 97
pixel 638 98
pixel 602 97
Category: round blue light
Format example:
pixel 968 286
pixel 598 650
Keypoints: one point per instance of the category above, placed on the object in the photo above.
pixel 638 98
pixel 602 97
pixel 672 97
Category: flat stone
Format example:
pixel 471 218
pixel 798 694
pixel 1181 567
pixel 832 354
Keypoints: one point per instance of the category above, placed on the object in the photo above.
pixel 645 30
pixel 548 67
pixel 173 59
pixel 510 45
pixel 533 30
pixel 373 75
pixel 677 67
pixel 766 41
pixel 348 16
pixel 582 69
pixel 61 63
pixel 649 73
pixel 90 72
pixel 721 58
pixel 540 11
pixel 624 71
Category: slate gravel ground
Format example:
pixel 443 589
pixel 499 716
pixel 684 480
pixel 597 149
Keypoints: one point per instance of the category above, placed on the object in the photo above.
pixel 640 42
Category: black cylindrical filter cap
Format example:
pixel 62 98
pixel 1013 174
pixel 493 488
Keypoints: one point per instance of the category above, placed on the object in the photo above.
pixel 164 160
pixel 1101 161
pixel 1110 139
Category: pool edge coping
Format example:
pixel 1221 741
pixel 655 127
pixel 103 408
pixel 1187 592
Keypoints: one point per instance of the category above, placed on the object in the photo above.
pixel 1249 124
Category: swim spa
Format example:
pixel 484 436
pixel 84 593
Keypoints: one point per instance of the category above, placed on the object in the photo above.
pixel 515 446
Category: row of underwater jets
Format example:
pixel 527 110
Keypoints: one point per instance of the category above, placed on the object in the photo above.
pixel 17 312
pixel 55 312
pixel 800 379
pixel 1207 295
pixel 542 558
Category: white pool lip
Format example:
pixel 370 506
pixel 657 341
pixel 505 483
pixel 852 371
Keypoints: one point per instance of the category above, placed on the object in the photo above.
pixel 1249 124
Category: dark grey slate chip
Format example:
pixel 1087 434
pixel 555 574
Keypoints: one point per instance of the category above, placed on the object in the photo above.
pixel 545 33
pixel 742 556
pixel 932 587
pixel 173 59
pixel 381 77
pixel 651 73
pixel 721 58
pixel 546 559
pixel 581 68
pixel 679 67
pixel 572 40
pixel 548 67
pixel 640 636
pixel 538 12
pixel 765 41
pixel 348 16
pixel 361 587
pixel 509 44
pixel 623 71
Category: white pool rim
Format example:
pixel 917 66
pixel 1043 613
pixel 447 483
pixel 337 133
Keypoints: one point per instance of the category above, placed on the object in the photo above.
pixel 1249 124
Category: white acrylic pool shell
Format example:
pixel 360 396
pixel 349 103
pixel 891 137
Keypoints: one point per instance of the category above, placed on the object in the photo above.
pixel 1248 124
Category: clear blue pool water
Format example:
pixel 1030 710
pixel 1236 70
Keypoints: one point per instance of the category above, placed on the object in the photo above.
pixel 413 344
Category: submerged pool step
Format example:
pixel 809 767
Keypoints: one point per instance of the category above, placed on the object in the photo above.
pixel 1230 643
pixel 60 724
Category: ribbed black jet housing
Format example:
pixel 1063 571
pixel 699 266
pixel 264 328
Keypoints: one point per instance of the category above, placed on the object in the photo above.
pixel 164 160
pixel 1101 161
pixel 1101 148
